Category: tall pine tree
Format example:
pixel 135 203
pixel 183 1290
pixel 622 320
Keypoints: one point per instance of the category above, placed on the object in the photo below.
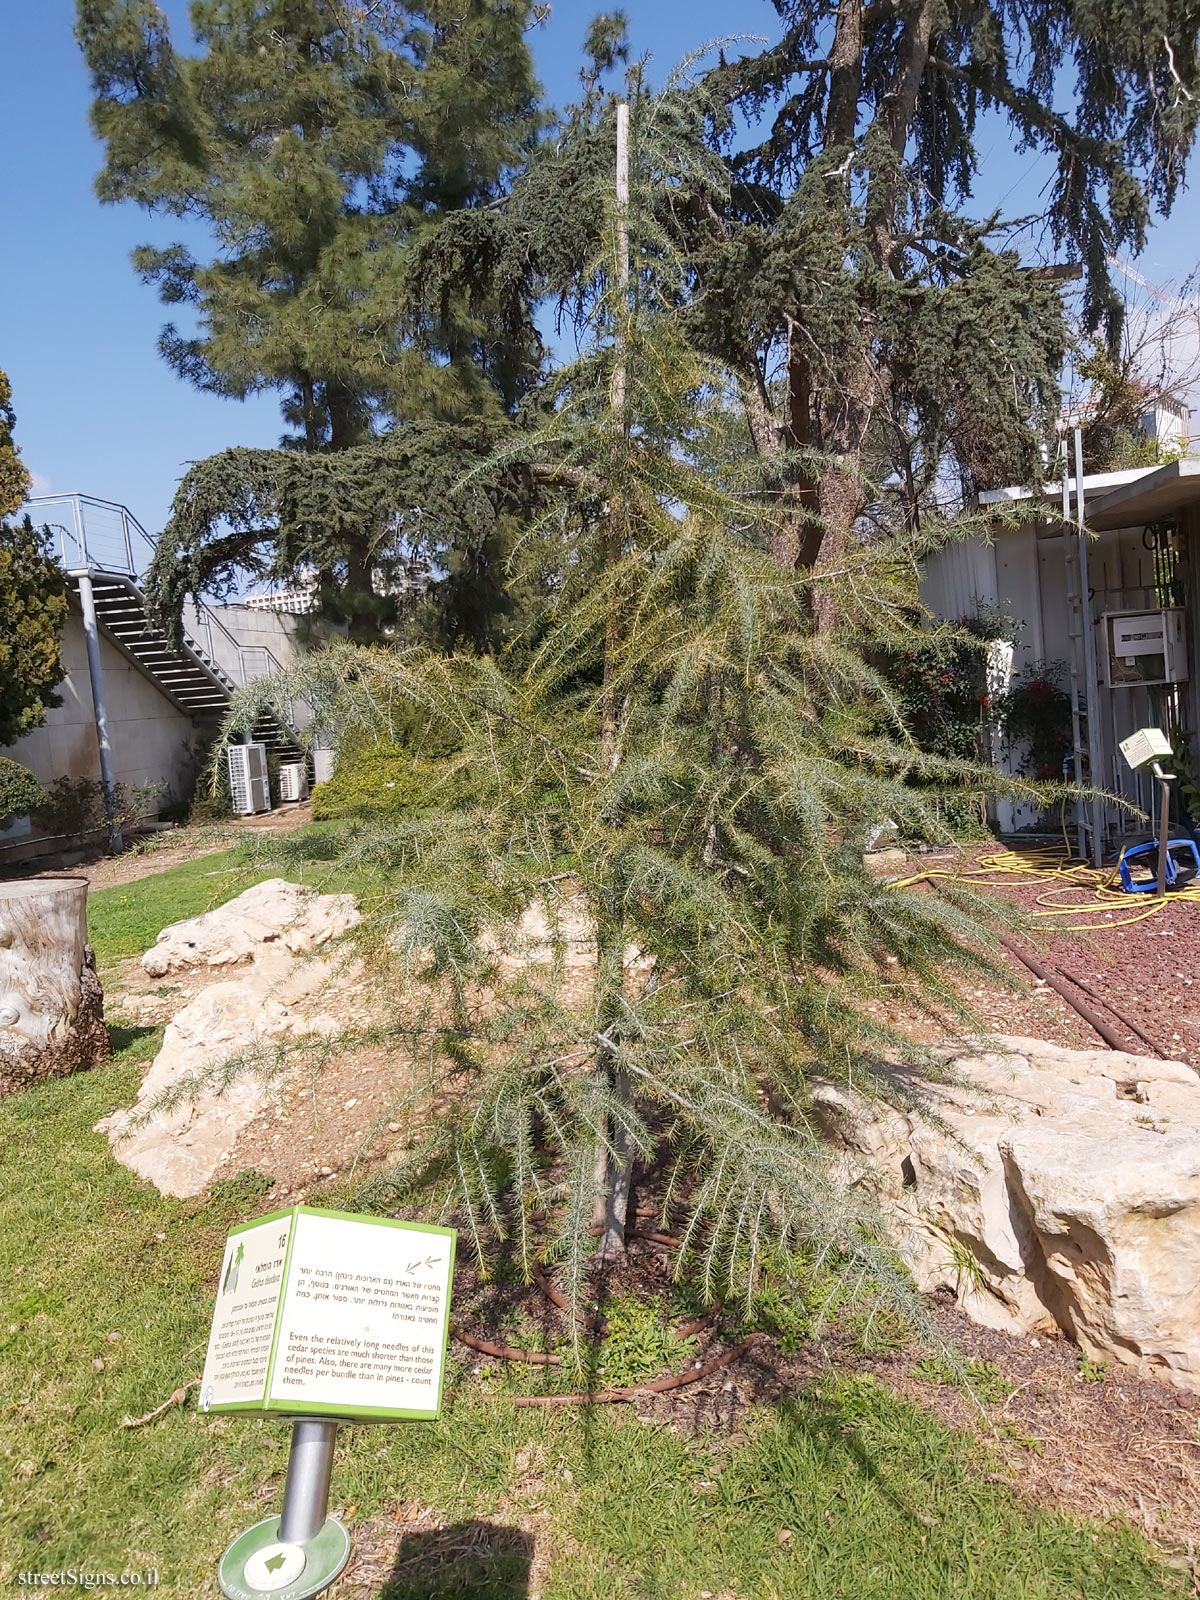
pixel 319 144
pixel 637 922
pixel 847 288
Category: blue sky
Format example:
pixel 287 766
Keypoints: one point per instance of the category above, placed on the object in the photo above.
pixel 97 408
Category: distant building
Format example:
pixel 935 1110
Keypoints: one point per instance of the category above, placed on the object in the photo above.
pixel 138 709
pixel 1115 608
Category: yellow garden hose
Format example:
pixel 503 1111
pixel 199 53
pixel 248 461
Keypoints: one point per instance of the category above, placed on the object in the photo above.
pixel 1062 874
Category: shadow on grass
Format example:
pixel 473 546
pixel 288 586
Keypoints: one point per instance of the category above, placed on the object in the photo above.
pixel 134 1040
pixel 473 1560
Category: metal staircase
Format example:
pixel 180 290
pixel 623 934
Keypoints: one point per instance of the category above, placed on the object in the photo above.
pixel 100 545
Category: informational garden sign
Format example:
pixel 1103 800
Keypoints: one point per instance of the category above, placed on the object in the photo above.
pixel 320 1313
pixel 1146 745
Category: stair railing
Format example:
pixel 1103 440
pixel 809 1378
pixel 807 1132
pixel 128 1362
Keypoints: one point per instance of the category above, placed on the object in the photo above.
pixel 101 536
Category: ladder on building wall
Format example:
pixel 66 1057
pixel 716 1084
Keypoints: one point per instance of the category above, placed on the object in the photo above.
pixel 1082 666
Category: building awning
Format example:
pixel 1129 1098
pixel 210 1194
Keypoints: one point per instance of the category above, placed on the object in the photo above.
pixel 1154 496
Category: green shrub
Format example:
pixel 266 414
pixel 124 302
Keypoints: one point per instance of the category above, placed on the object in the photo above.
pixel 79 805
pixel 20 792
pixel 382 780
pixel 1035 711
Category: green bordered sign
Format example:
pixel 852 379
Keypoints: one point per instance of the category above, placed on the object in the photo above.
pixel 320 1313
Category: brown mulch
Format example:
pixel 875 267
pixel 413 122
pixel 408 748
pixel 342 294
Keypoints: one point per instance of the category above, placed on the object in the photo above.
pixel 326 1124
pixel 1121 1447
pixel 1149 969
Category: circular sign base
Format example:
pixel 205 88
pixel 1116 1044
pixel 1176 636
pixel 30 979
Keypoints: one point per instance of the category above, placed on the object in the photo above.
pixel 258 1567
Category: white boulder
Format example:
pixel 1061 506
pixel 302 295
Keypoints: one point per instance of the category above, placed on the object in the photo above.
pixel 276 999
pixel 292 916
pixel 188 1112
pixel 1050 1187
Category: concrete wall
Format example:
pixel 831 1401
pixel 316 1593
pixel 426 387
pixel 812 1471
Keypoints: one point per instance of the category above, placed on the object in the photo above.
pixel 151 739
pixel 154 744
pixel 242 640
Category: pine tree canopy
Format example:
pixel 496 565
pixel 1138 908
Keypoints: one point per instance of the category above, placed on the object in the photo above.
pixel 845 281
pixel 888 350
pixel 33 608
pixel 677 779
pixel 33 597
pixel 912 80
pixel 362 519
pixel 317 142
pixel 324 147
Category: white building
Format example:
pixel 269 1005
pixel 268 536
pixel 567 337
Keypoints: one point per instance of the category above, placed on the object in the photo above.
pixel 136 709
pixel 1117 606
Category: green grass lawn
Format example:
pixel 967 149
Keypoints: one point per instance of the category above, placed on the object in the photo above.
pixel 125 920
pixel 106 1291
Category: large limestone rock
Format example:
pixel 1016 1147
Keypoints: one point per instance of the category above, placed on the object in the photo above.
pixel 281 992
pixel 1053 1187
pixel 288 915
pixel 276 999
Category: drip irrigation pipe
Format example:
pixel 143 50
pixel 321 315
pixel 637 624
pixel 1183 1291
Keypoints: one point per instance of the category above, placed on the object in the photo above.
pixel 1048 975
pixel 508 1352
pixel 689 1330
pixel 594 1324
pixel 539 1358
pixel 659 1386
pixel 1125 1021
pixel 1058 982
pixel 505 1352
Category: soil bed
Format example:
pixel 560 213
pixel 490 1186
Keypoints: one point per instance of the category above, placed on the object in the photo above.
pixel 1149 969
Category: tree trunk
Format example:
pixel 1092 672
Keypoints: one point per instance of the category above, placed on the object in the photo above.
pixel 51 1004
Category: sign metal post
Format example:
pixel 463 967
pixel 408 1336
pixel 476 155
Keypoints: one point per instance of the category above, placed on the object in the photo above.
pixel 322 1317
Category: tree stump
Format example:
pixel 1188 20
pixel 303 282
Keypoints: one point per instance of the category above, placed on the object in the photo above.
pixel 51 1003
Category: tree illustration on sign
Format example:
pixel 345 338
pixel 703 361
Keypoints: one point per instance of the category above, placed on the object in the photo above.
pixel 231 1271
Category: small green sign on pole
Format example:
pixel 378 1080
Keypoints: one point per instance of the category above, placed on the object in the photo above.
pixel 324 1317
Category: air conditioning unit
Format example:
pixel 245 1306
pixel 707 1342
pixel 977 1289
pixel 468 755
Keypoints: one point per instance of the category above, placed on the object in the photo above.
pixel 293 781
pixel 1145 647
pixel 249 786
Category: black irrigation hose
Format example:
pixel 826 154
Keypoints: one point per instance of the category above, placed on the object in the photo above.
pixel 1126 1022
pixel 1048 975
pixel 659 1386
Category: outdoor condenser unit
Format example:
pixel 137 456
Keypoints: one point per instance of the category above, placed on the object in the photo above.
pixel 249 786
pixel 1145 647
pixel 293 781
